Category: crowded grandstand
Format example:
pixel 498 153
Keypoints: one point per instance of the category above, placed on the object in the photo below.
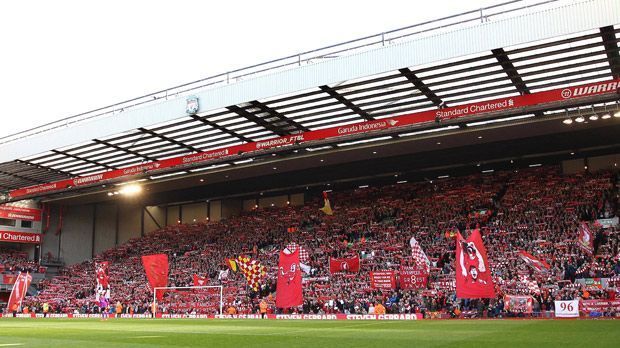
pixel 379 179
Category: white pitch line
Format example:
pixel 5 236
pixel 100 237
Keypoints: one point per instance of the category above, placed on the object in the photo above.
pixel 10 344
pixel 146 336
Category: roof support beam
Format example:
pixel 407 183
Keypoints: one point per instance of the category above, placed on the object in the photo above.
pixel 176 142
pixel 510 70
pixel 419 84
pixel 274 113
pixel 332 93
pixel 259 121
pixel 513 74
pixel 83 159
pixel 131 152
pixel 611 47
pixel 220 128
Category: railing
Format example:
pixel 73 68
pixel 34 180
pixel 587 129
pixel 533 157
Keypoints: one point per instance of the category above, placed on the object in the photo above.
pixel 466 19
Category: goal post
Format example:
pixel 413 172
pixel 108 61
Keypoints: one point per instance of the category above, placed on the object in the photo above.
pixel 196 291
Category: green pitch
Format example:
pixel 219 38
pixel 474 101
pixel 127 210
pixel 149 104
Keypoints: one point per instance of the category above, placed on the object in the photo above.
pixel 255 333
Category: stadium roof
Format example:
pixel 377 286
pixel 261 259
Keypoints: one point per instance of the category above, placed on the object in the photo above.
pixel 571 49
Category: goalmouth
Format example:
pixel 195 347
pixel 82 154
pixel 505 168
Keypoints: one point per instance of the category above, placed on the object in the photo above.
pixel 204 297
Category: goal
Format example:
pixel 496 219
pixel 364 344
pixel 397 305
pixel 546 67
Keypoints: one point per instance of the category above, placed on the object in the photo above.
pixel 206 299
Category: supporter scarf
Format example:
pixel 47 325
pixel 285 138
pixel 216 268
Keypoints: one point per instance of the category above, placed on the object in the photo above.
pixel 473 276
pixel 288 288
pixel 199 281
pixel 156 268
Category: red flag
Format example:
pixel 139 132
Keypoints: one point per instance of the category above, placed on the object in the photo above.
pixel 199 281
pixel 156 268
pixel 586 239
pixel 534 262
pixel 288 288
pixel 473 276
pixel 19 291
pixel 351 264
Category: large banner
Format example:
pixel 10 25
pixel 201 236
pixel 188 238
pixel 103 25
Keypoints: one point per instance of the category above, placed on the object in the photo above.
pixel 413 277
pixel 19 292
pixel 20 237
pixel 288 289
pixel 9 279
pixel 156 268
pixel 19 213
pixel 473 276
pixel 567 309
pixel 518 304
pixel 419 118
pixel 351 264
pixel 382 280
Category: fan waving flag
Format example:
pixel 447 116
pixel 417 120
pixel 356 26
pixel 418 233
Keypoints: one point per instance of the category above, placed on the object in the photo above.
pixel 199 281
pixel 253 271
pixel 351 264
pixel 304 256
pixel 473 276
pixel 327 206
pixel 20 287
pixel 419 257
pixel 534 262
pixel 586 239
pixel 156 268
pixel 102 274
pixel 288 287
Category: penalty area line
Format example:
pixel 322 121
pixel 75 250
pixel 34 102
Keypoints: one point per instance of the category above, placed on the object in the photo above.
pixel 10 344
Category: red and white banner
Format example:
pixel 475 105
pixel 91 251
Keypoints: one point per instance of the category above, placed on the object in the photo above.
pixel 156 268
pixel 383 280
pixel 19 213
pixel 586 238
pixel 400 317
pixel 567 309
pixel 199 281
pixel 288 287
pixel 20 237
pixel 518 304
pixel 20 287
pixel 601 305
pixel 413 277
pixel 534 262
pixel 420 118
pixel 351 264
pixel 473 276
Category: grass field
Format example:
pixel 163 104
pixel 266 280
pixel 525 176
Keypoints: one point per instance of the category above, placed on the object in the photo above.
pixel 272 333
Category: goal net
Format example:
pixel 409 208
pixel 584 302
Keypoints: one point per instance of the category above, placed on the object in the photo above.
pixel 190 299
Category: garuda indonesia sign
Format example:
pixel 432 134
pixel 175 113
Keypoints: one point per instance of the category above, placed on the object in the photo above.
pixel 192 105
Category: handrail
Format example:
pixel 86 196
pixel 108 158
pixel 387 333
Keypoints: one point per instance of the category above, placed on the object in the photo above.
pixel 307 57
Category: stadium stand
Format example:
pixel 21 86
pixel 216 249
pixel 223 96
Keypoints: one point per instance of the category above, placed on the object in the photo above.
pixel 537 210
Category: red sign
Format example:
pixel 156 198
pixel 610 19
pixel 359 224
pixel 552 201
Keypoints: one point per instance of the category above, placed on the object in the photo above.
pixel 20 237
pixel 412 277
pixel 382 280
pixel 19 213
pixel 451 113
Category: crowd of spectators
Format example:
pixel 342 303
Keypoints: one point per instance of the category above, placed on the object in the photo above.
pixel 13 261
pixel 538 210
